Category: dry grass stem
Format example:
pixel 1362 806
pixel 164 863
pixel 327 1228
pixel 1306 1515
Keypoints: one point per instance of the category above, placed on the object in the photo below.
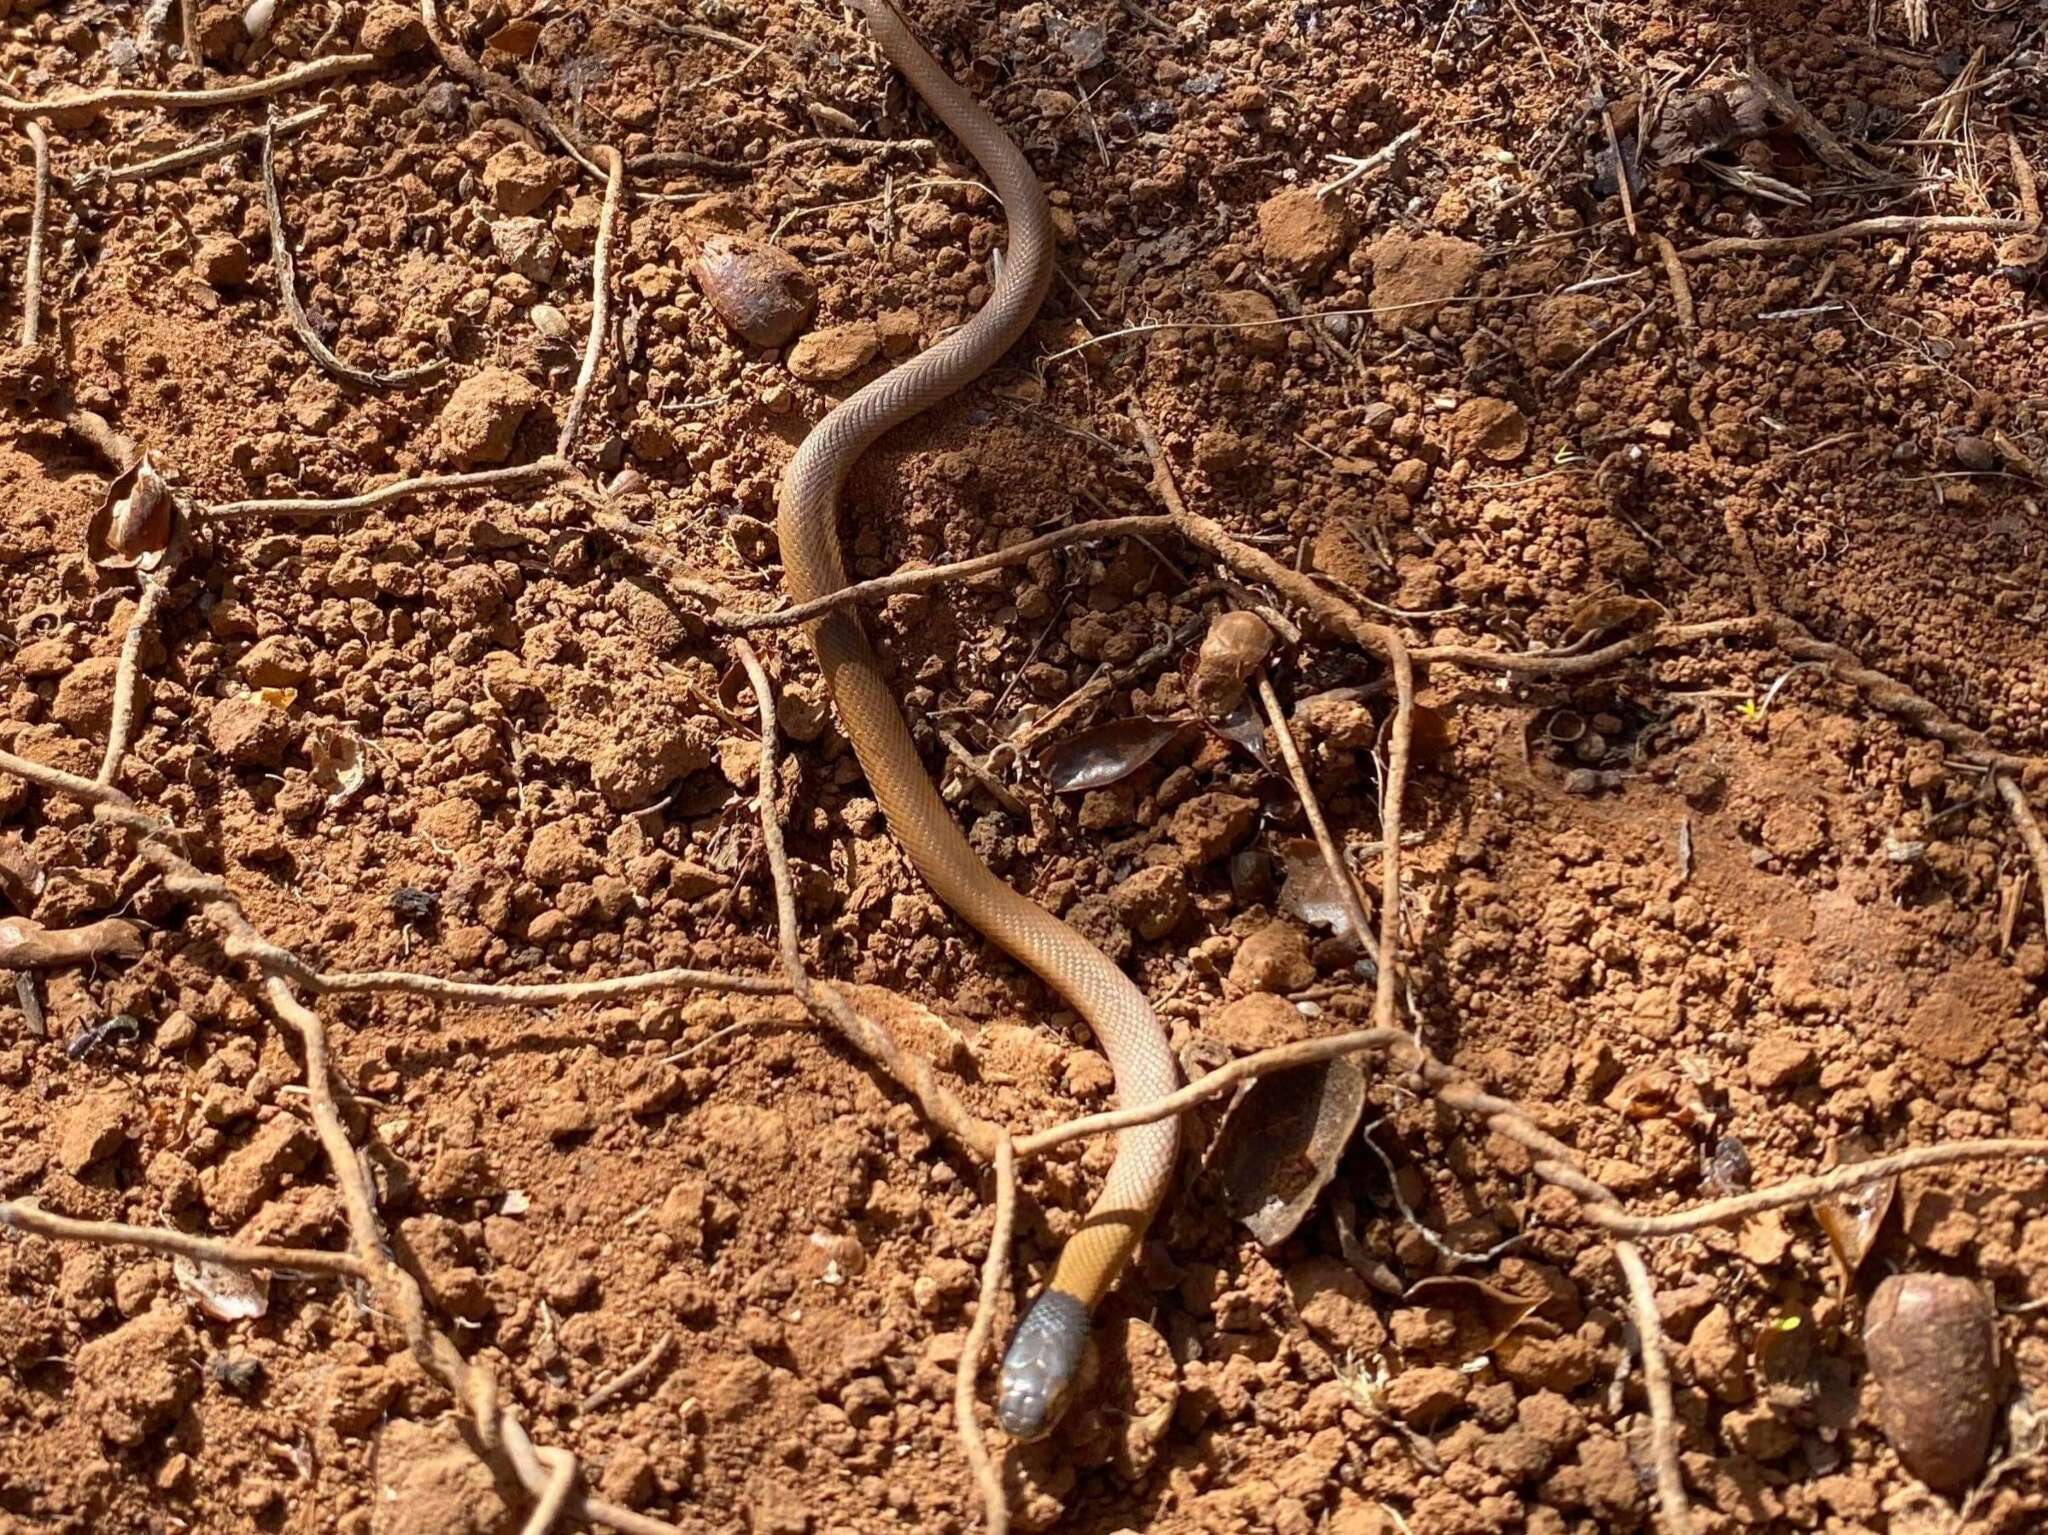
pixel 600 297
pixel 91 103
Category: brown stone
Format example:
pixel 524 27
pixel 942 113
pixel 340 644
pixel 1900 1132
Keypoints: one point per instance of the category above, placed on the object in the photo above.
pixel 1302 233
pixel 1414 276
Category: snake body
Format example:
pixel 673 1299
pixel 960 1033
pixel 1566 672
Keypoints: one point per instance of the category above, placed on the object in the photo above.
pixel 1045 1354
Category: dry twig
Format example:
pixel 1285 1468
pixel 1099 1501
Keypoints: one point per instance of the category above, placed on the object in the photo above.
pixel 491 88
pixel 288 289
pixel 1890 224
pixel 600 296
pixel 91 103
pixel 631 1376
pixel 550 468
pixel 2030 833
pixel 1333 855
pixel 21 1215
pixel 195 154
pixel 39 214
pixel 994 1269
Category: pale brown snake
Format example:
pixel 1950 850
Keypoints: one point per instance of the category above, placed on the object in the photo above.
pixel 1045 1353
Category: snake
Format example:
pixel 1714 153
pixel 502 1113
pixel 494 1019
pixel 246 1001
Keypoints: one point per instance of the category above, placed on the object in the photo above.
pixel 1048 1349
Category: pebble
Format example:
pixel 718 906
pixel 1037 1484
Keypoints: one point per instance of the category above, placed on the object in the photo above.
pixel 221 261
pixel 1211 826
pixel 525 245
pixel 1301 233
pixel 1974 454
pixel 1263 335
pixel 1933 1346
pixel 1152 901
pixel 1257 1022
pixel 481 420
pixel 1414 276
pixel 249 732
pixel 837 352
pixel 556 855
pixel 552 324
pixel 85 698
pixel 519 179
pixel 138 1378
pixel 1273 959
pixel 281 661
pixel 761 292
pixel 94 1131
pixel 1491 429
pixel 1335 1304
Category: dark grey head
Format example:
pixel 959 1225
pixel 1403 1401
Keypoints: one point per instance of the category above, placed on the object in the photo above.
pixel 1042 1362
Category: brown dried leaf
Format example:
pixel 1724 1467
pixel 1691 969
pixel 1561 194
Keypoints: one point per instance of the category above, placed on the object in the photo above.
pixel 338 765
pixel 1852 1220
pixel 1603 615
pixel 1494 1310
pixel 515 37
pixel 1105 754
pixel 225 1294
pixel 1697 123
pixel 1281 1142
pixel 1309 892
pixel 1231 652
pixel 138 526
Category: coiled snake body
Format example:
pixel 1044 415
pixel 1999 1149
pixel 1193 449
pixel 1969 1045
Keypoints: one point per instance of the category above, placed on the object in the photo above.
pixel 1045 1353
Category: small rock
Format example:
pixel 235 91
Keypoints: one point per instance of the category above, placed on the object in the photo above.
pixel 84 704
pixel 1565 326
pixel 761 292
pixel 482 417
pixel 1974 454
pixel 837 352
pixel 519 179
pixel 899 330
pixel 1424 1397
pixel 221 261
pixel 1335 1305
pixel 238 1187
pixel 1262 334
pixel 1932 1341
pixel 1257 1022
pixel 44 658
pixel 550 322
pixel 249 732
pixel 1716 1355
pixel 282 661
pixel 1410 477
pixel 1414 276
pixel 391 31
pixel 94 1131
pixel 1211 826
pixel 526 246
pixel 139 1377
pixel 1553 1364
pixel 1780 1060
pixel 1491 429
pixel 556 855
pixel 1152 901
pixel 636 767
pixel 1302 233
pixel 1275 958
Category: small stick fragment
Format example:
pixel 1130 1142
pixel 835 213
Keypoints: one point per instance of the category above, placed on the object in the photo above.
pixel 95 102
pixel 1681 290
pixel 188 29
pixel 631 1376
pixel 995 1507
pixel 32 281
pixel 126 692
pixel 2030 833
pixel 1890 224
pixel 31 1004
pixel 491 88
pixel 23 1215
pixel 1621 170
pixel 197 154
pixel 287 282
pixel 398 490
pixel 28 945
pixel 1333 856
pixel 600 296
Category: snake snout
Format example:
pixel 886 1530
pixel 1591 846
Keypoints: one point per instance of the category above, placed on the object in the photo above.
pixel 1039 1369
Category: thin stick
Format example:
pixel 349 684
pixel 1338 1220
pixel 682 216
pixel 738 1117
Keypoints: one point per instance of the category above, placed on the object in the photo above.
pixel 1333 856
pixel 1681 289
pixel 600 296
pixel 1672 1501
pixel 188 29
pixel 631 1376
pixel 1621 170
pixel 287 282
pixel 32 281
pixel 660 160
pixel 995 1507
pixel 554 1498
pixel 1303 1052
pixel 1799 1191
pixel 1567 663
pixel 32 1218
pixel 126 692
pixel 928 576
pixel 113 97
pixel 1890 224
pixel 442 989
pixel 198 154
pixel 2030 833
pixel 550 468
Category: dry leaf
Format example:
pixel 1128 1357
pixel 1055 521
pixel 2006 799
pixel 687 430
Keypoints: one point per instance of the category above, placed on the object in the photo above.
pixel 1105 754
pixel 1244 728
pixel 1495 1310
pixel 515 37
pixel 138 526
pixel 1309 892
pixel 1281 1142
pixel 1603 615
pixel 1854 1218
pixel 225 1294
pixel 338 765
pixel 1696 123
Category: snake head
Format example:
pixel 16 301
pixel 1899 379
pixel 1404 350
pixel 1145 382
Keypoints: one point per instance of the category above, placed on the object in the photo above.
pixel 1040 1368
